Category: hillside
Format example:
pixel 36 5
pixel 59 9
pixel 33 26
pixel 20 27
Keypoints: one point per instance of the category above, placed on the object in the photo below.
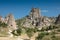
pixel 44 26
pixel 31 27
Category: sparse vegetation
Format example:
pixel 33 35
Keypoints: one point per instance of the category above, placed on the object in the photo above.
pixel 29 25
pixel 46 38
pixel 2 24
pixel 41 35
pixel 30 32
pixel 17 32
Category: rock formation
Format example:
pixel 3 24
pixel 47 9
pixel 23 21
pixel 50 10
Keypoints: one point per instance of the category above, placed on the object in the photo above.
pixel 58 20
pixel 11 22
pixel 35 13
pixel 1 19
pixel 36 19
pixel 35 16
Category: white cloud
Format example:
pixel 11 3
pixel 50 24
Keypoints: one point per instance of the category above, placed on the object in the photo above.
pixel 44 10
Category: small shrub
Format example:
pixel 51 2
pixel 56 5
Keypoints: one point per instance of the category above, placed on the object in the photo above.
pixel 42 29
pixel 2 24
pixel 41 35
pixel 17 32
pixel 30 32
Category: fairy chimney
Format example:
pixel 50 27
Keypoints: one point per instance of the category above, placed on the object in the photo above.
pixel 11 22
pixel 35 13
pixel 35 16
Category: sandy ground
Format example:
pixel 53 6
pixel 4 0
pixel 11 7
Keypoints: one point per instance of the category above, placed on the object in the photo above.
pixel 19 37
pixel 10 38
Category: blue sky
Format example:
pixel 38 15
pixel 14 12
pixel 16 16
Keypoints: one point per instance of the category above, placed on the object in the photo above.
pixel 21 8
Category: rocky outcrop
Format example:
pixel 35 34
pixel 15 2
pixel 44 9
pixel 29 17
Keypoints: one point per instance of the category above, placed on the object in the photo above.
pixel 36 19
pixel 58 20
pixel 35 16
pixel 9 19
pixel 11 22
pixel 1 19
pixel 35 13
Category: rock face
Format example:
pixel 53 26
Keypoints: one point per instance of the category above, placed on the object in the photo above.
pixel 1 19
pixel 35 16
pixel 36 19
pixel 11 22
pixel 58 20
pixel 35 13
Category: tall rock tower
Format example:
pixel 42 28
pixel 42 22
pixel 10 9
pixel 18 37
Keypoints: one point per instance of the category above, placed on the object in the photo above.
pixel 35 13
pixel 35 16
pixel 35 19
pixel 11 22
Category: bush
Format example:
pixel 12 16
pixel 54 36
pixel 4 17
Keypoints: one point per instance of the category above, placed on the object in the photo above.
pixel 17 32
pixel 46 38
pixel 2 24
pixel 30 32
pixel 53 36
pixel 42 29
pixel 35 29
pixel 51 27
pixel 41 35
